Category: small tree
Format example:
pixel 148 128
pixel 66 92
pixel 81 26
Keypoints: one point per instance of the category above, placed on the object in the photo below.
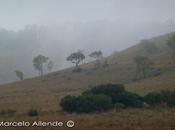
pixel 50 66
pixel 97 55
pixel 171 44
pixel 143 66
pixel 76 58
pixel 38 62
pixel 19 74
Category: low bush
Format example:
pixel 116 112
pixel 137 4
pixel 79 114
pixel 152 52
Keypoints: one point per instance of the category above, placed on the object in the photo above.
pixel 111 90
pixel 68 103
pixel 153 98
pixel 101 98
pixel 129 99
pixel 33 112
pixel 165 96
pixel 9 112
pixel 3 112
pixel 118 94
pixel 86 103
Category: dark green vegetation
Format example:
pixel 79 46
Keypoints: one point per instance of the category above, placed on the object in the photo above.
pixel 118 94
pixel 164 96
pixel 105 97
pixel 101 98
pixel 32 112
pixel 8 112
pixel 86 103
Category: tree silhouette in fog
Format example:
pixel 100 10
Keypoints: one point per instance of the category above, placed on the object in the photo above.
pixel 76 58
pixel 38 63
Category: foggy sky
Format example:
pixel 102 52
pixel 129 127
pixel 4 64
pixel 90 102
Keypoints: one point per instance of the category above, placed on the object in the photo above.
pixel 56 28
pixel 16 14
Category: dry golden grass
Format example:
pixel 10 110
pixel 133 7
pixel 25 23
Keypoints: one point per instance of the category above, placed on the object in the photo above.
pixel 129 119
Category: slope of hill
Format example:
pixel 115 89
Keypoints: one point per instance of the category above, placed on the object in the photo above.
pixel 44 93
pixel 121 69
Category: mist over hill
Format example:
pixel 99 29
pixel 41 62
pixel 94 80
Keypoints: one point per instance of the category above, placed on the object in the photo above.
pixel 17 48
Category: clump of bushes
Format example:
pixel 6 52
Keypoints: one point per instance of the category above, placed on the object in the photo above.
pixel 8 112
pixel 32 112
pixel 118 94
pixel 86 103
pixel 105 97
pixel 101 98
pixel 164 96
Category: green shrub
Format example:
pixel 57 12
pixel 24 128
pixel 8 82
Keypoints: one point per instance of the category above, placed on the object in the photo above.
pixel 168 97
pixel 101 98
pixel 86 103
pixel 129 99
pixel 118 94
pixel 33 112
pixel 11 112
pixel 68 103
pixel 164 96
pixel 153 98
pixel 3 112
pixel 111 90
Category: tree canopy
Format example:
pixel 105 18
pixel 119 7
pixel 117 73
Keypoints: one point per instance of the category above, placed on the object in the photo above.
pixel 76 57
pixel 38 62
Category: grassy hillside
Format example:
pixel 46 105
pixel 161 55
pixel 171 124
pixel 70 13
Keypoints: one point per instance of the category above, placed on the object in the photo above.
pixel 44 93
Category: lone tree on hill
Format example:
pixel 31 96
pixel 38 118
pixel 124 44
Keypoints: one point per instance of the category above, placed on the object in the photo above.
pixel 19 74
pixel 143 66
pixel 97 55
pixel 171 44
pixel 76 58
pixel 50 65
pixel 38 63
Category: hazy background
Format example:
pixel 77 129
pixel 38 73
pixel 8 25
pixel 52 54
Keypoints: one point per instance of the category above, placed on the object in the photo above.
pixel 55 28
